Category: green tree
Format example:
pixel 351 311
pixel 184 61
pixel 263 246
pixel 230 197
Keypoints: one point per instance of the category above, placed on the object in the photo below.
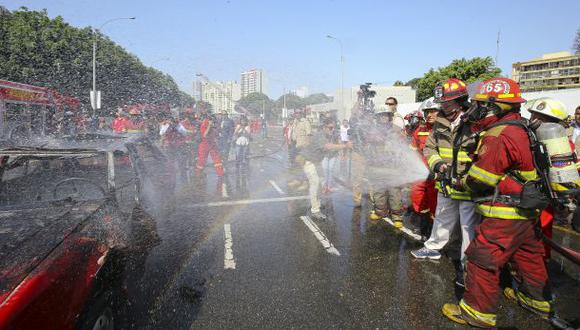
pixel 317 98
pixel 478 68
pixel 293 101
pixel 255 104
pixel 412 83
pixel 398 83
pixel 48 52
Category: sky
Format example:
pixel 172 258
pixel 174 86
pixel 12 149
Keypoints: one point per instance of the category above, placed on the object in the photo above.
pixel 383 41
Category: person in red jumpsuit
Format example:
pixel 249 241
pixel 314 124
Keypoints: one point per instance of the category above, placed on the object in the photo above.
pixel 423 193
pixel 207 146
pixel 119 122
pixel 506 233
pixel 192 138
pixel 135 123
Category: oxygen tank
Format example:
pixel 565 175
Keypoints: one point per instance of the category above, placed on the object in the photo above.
pixel 562 172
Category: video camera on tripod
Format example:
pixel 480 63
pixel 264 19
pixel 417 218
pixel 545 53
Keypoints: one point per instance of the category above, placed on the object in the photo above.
pixel 366 95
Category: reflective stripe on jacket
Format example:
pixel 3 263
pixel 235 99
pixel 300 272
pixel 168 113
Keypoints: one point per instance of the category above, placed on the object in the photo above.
pixel 439 149
pixel 503 154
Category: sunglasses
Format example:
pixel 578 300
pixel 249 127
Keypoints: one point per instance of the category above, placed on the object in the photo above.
pixel 389 103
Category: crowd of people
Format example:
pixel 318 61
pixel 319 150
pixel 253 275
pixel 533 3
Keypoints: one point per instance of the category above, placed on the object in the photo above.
pixel 494 178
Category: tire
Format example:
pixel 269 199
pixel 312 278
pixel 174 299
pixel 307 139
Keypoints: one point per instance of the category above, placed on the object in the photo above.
pixel 99 314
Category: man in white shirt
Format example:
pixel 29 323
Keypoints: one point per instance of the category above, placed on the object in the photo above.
pixel 391 103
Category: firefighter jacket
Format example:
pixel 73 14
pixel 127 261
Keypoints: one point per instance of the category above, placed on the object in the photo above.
pixel 503 161
pixel 439 150
pixel 135 126
pixel 419 139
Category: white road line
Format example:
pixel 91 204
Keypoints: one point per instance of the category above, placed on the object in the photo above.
pixel 328 247
pixel 229 262
pixel 404 229
pixel 273 183
pixel 248 201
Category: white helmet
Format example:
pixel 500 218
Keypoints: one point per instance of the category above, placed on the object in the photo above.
pixel 548 106
pixel 429 104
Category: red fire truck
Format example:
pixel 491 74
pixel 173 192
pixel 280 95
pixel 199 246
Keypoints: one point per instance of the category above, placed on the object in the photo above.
pixel 27 109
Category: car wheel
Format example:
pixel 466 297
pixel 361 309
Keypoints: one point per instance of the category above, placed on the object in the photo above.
pixel 99 314
pixel 105 320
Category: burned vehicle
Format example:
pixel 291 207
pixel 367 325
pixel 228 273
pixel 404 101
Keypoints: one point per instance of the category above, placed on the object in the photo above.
pixel 66 208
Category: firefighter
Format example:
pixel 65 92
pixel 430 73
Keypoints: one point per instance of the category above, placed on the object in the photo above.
pixel 423 193
pixel 119 122
pixel 548 110
pixel 453 205
pixel 207 146
pixel 135 123
pixel 193 136
pixel 506 234
pixel 414 120
pixel 386 200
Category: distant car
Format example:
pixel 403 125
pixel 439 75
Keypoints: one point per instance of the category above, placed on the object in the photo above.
pixel 63 213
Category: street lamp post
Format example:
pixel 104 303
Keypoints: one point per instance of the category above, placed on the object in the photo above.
pixel 94 100
pixel 341 70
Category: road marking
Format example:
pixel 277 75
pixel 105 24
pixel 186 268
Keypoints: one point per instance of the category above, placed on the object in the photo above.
pixel 328 247
pixel 229 262
pixel 273 183
pixel 249 201
pixel 404 229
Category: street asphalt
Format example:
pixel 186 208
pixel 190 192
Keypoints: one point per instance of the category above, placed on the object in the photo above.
pixel 257 260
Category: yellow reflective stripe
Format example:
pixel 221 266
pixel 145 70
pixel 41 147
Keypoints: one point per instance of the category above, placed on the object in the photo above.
pixel 578 165
pixel 505 96
pixel 484 176
pixel 433 160
pixel 135 131
pixel 448 153
pixel 487 318
pixel 505 212
pixel 455 194
pixel 528 175
pixel 541 305
pixel 423 133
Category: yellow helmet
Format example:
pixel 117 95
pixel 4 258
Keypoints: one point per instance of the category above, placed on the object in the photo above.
pixel 548 106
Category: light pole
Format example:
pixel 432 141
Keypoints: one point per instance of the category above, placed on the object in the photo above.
pixel 341 70
pixel 95 31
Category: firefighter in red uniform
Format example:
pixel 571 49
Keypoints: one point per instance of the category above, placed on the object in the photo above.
pixel 135 123
pixel 192 139
pixel 506 234
pixel 423 193
pixel 207 146
pixel 119 122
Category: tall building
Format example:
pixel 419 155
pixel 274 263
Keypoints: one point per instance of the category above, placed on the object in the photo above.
pixel 222 95
pixel 551 71
pixel 253 81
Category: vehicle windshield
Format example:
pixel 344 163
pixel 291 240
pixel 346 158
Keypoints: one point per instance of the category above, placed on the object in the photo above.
pixel 254 164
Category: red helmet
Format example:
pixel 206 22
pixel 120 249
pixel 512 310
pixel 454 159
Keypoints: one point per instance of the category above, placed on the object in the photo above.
pixel 499 89
pixel 416 113
pixel 451 89
pixel 134 110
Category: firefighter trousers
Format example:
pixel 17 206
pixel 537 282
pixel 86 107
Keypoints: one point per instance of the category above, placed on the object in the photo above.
pixel 448 214
pixel 358 168
pixel 204 149
pixel 314 184
pixel 497 242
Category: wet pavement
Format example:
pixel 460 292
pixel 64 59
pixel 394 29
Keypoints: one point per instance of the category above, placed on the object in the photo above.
pixel 255 260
